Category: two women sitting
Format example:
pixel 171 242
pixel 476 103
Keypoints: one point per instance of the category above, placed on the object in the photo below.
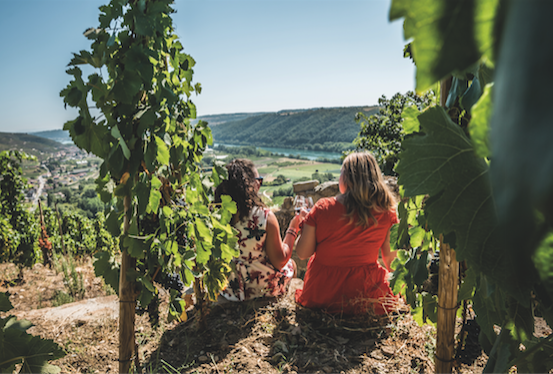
pixel 341 235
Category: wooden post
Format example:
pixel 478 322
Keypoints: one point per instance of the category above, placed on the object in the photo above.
pixel 61 230
pixel 127 302
pixel 448 275
pixel 46 253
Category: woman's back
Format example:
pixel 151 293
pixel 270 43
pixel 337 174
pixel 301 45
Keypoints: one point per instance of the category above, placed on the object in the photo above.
pixel 343 236
pixel 255 276
pixel 341 243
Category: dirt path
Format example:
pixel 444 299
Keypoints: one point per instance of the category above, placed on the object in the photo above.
pixel 262 336
pixel 97 308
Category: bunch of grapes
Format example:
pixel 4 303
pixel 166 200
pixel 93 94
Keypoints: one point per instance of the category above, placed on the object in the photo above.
pixel 149 224
pixel 469 348
pixel 139 310
pixel 181 236
pixel 172 281
pixel 153 311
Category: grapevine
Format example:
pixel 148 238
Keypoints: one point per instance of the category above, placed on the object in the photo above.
pixel 20 228
pixel 151 153
pixel 481 202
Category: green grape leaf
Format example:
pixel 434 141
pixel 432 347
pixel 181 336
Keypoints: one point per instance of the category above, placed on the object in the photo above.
pixel 522 320
pixel 468 286
pixel 113 224
pixel 417 267
pixel 188 277
pixel 117 135
pixel 479 124
pixel 162 151
pixel 88 135
pixel 155 195
pixel 403 227
pixel 458 86
pixel 203 251
pixel 228 253
pixel 199 208
pixel 18 324
pixel 106 266
pixel 146 121
pixel 394 237
pixel 167 212
pixel 430 307
pixel 417 310
pixel 397 278
pixel 471 95
pixel 410 123
pixel 448 36
pixel 127 87
pixel 147 284
pixel 521 130
pixel 416 236
pixel 137 60
pixel 502 352
pixel 441 162
pixel 228 209
pixel 202 230
pixel 137 248
pixel 33 351
pixel 5 303
pixel 145 297
pixel 142 192
pixel 488 314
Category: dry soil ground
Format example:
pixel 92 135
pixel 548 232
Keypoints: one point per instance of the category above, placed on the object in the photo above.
pixel 266 336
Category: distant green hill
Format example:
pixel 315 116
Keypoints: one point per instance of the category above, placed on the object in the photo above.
pixel 30 144
pixel 217 119
pixel 326 129
pixel 60 136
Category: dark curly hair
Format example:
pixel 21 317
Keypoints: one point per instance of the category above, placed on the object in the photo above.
pixel 240 185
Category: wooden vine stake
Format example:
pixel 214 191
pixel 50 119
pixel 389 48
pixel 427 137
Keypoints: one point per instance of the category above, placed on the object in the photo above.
pixel 127 301
pixel 448 275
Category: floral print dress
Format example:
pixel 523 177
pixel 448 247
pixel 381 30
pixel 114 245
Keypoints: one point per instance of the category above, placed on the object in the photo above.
pixel 255 276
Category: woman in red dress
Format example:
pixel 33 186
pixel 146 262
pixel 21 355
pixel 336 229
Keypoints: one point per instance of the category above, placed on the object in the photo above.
pixel 343 236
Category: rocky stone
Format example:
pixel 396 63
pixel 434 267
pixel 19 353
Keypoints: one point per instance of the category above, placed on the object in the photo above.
pixel 327 189
pixel 305 186
pixel 387 350
pixel 377 354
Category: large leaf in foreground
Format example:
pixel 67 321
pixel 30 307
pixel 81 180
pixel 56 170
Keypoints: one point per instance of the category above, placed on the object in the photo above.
pixel 448 36
pixel 521 128
pixel 441 162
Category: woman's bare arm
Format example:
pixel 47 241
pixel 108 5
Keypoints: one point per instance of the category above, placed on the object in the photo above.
pixel 387 255
pixel 307 242
pixel 278 251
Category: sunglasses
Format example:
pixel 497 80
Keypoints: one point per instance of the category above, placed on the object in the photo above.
pixel 260 179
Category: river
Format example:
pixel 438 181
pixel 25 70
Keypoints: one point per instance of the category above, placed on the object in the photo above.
pixel 311 155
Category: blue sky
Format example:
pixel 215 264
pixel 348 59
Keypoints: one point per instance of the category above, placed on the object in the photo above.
pixel 251 55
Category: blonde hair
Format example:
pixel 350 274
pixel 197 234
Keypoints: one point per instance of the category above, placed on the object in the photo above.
pixel 365 189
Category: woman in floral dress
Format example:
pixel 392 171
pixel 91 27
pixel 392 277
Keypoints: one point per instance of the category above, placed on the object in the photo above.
pixel 264 267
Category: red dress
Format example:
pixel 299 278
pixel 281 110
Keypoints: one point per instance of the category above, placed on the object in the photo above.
pixel 343 275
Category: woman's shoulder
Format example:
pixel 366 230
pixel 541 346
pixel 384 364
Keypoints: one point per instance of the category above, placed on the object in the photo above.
pixel 388 215
pixel 259 211
pixel 326 202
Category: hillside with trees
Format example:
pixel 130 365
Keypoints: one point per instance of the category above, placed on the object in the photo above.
pixel 323 129
pixel 30 144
